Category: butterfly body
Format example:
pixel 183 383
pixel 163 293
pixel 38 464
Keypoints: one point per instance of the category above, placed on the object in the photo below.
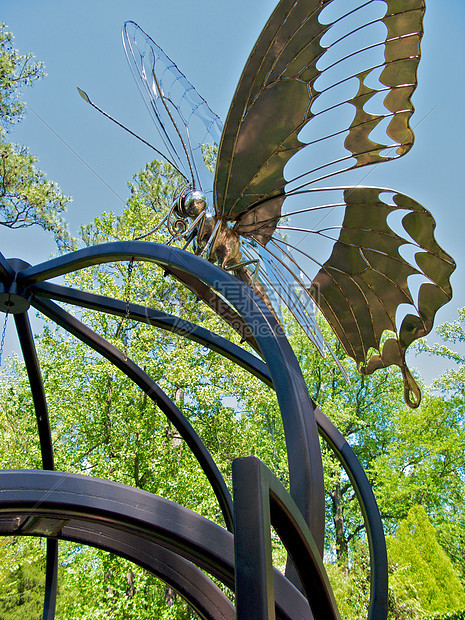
pixel 223 243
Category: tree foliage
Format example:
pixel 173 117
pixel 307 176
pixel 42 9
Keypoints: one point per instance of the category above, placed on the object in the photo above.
pixel 22 579
pixel 16 70
pixel 451 384
pixel 450 390
pixel 27 197
pixel 424 571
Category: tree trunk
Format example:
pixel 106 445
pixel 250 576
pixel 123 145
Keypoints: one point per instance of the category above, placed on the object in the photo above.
pixel 131 588
pixel 338 520
pixel 170 596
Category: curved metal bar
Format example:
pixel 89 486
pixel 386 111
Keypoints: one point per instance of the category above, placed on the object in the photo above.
pixel 304 457
pixel 153 391
pixel 378 607
pixel 31 361
pixel 80 508
pixel 157 318
pixel 190 582
pixel 217 304
pixel 200 592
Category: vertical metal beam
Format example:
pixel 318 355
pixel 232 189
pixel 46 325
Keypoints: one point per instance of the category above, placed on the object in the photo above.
pixel 260 500
pixel 26 340
pixel 252 545
pixel 51 580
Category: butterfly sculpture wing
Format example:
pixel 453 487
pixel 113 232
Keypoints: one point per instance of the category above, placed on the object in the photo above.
pixel 366 279
pixel 361 285
pixel 331 78
pixel 291 77
pixel 186 124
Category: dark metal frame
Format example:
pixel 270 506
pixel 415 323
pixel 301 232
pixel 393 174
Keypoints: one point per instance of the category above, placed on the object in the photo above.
pixel 305 468
pixel 22 285
pixel 260 501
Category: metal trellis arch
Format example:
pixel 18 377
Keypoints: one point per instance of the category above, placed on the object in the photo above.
pixel 59 505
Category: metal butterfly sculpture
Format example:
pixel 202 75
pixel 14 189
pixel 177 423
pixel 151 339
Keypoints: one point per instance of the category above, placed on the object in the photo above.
pixel 322 78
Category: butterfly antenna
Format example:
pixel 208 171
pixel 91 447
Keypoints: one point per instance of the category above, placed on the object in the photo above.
pixel 86 98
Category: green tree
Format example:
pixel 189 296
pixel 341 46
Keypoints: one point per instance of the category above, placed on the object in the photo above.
pixel 22 579
pixel 450 388
pixel 423 462
pixel 27 197
pixel 423 569
pixel 451 384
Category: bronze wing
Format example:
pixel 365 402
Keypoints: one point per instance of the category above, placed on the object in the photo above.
pixel 365 280
pixel 351 69
pixel 292 77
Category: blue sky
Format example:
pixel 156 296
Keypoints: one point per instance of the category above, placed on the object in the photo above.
pixel 80 44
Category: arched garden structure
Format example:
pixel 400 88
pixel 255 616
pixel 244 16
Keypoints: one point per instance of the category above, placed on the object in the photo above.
pixel 165 538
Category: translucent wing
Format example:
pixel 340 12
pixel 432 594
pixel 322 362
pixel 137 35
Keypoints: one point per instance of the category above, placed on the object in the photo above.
pixel 186 124
pixel 286 285
pixel 384 280
pixel 349 68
